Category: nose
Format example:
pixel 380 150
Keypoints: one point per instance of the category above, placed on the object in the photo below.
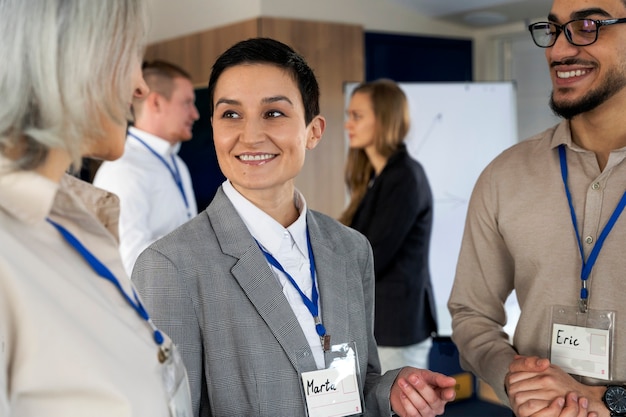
pixel 561 49
pixel 195 115
pixel 251 132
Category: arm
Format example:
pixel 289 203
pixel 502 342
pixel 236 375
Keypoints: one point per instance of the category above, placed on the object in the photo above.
pixel 484 280
pixel 171 308
pixel 534 384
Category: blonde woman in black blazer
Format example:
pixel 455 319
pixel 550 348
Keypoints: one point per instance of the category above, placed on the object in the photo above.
pixel 392 206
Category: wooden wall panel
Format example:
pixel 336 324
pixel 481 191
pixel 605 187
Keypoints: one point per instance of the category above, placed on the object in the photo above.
pixel 197 52
pixel 336 54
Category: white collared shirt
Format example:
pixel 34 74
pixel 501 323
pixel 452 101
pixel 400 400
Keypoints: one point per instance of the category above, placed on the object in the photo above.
pixel 289 247
pixel 151 204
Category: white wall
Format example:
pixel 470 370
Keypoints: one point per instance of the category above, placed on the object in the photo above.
pixel 170 19
pixel 373 15
pixel 174 18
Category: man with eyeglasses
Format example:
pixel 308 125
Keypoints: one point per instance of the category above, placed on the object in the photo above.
pixel 545 219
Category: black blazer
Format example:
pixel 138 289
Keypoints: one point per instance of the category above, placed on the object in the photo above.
pixel 396 216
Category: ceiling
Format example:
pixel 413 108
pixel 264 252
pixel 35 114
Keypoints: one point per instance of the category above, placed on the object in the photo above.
pixel 481 13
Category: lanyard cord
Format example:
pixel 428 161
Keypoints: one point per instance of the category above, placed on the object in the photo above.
pixel 105 273
pixel 587 265
pixel 174 172
pixel 311 304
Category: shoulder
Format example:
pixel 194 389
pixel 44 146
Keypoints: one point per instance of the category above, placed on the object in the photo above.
pixel 528 154
pixel 219 224
pixel 404 168
pixel 522 166
pixel 402 180
pixel 331 231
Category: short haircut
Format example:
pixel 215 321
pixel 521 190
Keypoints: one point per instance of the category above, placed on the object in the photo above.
pixel 66 65
pixel 273 52
pixel 159 76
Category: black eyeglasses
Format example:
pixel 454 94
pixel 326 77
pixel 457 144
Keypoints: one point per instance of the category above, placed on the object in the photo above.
pixel 579 32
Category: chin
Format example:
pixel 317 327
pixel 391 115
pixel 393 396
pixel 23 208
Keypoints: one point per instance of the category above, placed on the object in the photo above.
pixel 112 156
pixel 107 150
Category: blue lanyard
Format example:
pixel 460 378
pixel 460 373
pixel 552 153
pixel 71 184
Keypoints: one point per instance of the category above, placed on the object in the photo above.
pixel 105 273
pixel 174 172
pixel 593 256
pixel 311 304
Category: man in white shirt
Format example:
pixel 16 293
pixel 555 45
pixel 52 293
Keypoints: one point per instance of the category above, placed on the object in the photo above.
pixel 151 180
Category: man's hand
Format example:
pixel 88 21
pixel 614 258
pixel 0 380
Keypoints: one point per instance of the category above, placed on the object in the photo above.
pixel 534 384
pixel 570 406
pixel 421 393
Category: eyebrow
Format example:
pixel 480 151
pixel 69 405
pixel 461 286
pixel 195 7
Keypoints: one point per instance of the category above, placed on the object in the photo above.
pixel 267 100
pixel 582 14
pixel 226 101
pixel 275 99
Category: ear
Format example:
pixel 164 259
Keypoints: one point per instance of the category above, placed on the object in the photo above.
pixel 151 101
pixel 316 130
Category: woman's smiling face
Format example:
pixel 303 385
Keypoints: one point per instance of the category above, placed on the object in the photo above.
pixel 259 128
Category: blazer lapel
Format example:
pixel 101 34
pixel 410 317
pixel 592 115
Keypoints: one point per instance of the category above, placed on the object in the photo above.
pixel 258 282
pixel 331 272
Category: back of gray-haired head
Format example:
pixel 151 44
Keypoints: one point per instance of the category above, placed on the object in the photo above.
pixel 65 65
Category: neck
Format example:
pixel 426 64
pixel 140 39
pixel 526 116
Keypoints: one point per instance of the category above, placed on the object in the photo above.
pixel 55 165
pixel 278 205
pixel 599 131
pixel 377 160
pixel 148 128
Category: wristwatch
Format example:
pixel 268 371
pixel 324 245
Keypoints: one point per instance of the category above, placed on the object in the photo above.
pixel 615 400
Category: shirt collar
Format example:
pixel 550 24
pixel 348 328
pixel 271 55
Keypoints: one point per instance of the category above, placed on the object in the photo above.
pixel 159 145
pixel 267 231
pixel 26 195
pixel 562 135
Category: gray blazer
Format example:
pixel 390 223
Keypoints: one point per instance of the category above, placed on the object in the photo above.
pixel 210 288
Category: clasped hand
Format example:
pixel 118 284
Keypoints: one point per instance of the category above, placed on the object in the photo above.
pixel 537 388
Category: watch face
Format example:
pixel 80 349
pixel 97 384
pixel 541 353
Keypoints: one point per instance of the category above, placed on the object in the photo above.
pixel 615 398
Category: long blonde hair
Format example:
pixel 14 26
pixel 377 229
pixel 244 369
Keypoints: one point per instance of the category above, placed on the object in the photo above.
pixel 391 110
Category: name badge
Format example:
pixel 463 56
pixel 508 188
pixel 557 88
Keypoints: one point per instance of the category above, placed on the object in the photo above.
pixel 176 383
pixel 581 350
pixel 581 342
pixel 334 391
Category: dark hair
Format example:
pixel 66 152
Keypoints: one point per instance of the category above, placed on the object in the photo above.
pixel 273 52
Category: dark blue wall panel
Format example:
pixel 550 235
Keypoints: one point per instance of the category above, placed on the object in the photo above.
pixel 417 58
